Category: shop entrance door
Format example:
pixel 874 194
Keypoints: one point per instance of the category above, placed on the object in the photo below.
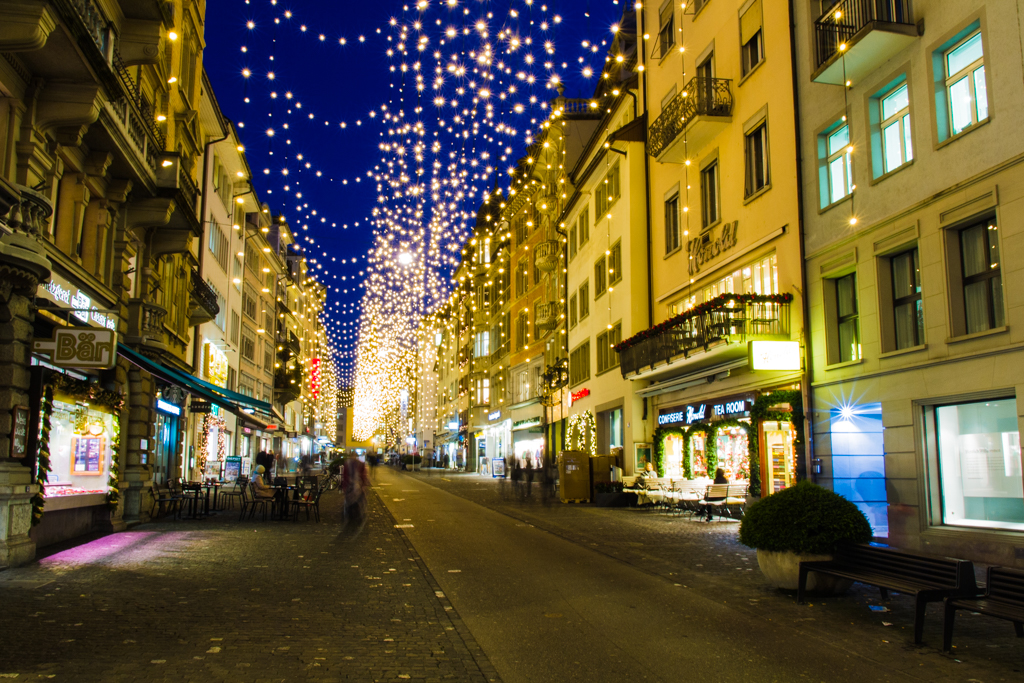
pixel 166 445
pixel 779 456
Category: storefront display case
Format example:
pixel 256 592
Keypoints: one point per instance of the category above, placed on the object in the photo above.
pixel 80 450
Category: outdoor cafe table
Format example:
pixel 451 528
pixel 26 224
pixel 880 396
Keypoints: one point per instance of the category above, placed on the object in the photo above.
pixel 206 487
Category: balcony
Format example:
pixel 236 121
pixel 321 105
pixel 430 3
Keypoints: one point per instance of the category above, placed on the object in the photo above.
pixel 546 315
pixel 856 37
pixel 547 255
pixel 713 332
pixel 174 178
pixel 287 383
pixel 289 343
pixel 572 109
pixel 700 112
pixel 203 306
pixel 146 325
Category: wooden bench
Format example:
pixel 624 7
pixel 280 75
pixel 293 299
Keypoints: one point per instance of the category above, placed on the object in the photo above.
pixel 1003 599
pixel 724 498
pixel 929 579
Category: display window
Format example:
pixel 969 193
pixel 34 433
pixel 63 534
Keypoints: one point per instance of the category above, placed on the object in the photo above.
pixel 979 463
pixel 779 455
pixel 80 449
pixel 733 454
pixel 530 451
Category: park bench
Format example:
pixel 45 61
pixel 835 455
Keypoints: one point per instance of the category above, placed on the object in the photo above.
pixel 724 498
pixel 1003 599
pixel 929 579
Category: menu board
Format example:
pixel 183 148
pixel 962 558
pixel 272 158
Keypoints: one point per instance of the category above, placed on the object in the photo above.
pixel 232 468
pixel 498 467
pixel 87 455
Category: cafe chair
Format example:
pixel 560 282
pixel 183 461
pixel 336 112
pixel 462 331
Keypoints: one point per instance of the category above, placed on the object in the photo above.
pixel 257 503
pixel 312 502
pixel 237 492
pixel 165 502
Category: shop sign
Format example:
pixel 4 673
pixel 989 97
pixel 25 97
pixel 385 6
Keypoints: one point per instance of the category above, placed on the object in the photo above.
pixel 702 252
pixel 63 293
pixel 200 407
pixel 19 431
pixel 774 355
pixel 525 424
pixel 453 425
pixel 79 347
pixel 167 407
pixel 578 395
pixel 215 364
pixel 496 415
pixel 701 412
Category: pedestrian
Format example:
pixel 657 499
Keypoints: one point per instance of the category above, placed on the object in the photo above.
pixel 267 461
pixel 720 478
pixel 528 470
pixel 354 482
pixel 517 480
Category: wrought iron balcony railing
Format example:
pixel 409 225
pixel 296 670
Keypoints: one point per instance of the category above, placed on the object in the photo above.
pixel 700 97
pixel 845 19
pixel 546 255
pixel 731 318
pixel 204 295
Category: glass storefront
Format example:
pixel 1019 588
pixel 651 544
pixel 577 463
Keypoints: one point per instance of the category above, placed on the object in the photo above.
pixel 165 447
pixel 80 449
pixel 979 461
pixel 779 456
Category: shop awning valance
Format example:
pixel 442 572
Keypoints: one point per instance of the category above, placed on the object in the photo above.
pixel 225 398
pixel 690 380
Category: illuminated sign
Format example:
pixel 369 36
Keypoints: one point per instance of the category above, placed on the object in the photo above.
pixel 496 415
pixel 61 292
pixel 578 395
pixel 525 424
pixel 774 355
pixel 453 425
pixel 700 412
pixel 79 347
pixel 201 407
pixel 167 407
pixel 215 364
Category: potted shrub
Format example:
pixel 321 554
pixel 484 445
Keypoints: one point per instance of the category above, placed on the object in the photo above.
pixel 802 523
pixel 610 494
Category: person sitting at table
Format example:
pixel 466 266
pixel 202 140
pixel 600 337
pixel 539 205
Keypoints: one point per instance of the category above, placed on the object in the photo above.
pixel 720 478
pixel 262 490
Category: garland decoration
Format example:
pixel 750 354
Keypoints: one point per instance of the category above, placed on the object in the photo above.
pixel 762 411
pixel 581 430
pixel 209 422
pixel 717 303
pixel 43 466
pixel 113 492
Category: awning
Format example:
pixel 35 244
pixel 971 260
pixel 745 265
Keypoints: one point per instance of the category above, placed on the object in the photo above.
pixel 229 400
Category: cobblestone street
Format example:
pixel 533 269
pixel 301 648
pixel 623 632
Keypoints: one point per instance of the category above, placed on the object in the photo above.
pixel 250 602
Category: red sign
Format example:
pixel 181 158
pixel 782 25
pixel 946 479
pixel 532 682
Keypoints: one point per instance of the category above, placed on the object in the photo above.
pixel 314 376
pixel 271 428
pixel 578 395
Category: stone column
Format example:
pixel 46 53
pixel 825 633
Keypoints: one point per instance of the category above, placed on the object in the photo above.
pixel 136 477
pixel 23 265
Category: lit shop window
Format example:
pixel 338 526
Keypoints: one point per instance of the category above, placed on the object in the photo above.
pixel 80 450
pixel 858 461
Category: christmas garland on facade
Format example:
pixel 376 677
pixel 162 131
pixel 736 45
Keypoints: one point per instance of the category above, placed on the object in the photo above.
pixel 581 427
pixel 761 411
pixel 209 422
pixel 717 303
pixel 43 466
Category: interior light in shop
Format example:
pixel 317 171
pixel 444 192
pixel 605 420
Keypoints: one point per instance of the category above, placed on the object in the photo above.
pixel 96 428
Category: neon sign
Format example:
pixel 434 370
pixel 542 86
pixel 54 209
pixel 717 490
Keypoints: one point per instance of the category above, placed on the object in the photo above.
pixel 578 395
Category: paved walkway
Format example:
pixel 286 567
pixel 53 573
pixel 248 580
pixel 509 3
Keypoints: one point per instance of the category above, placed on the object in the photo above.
pixel 709 560
pixel 250 602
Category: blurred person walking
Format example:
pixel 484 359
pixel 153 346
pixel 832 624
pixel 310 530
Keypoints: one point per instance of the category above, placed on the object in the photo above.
pixel 354 482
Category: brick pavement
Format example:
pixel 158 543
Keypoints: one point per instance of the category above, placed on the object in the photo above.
pixel 250 602
pixel 709 558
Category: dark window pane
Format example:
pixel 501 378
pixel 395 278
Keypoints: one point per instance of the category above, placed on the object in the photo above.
pixel 846 296
pixel 849 345
pixel 972 246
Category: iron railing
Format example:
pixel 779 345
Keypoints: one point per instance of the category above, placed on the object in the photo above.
pixel 847 18
pixel 96 25
pixel 546 315
pixel 730 319
pixel 204 294
pixel 701 97
pixel 546 254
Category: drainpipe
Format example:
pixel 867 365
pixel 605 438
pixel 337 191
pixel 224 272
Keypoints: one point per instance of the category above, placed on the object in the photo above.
pixel 805 380
pixel 202 237
pixel 642 53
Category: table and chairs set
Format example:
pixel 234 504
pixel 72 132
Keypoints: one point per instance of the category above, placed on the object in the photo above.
pixel 695 497
pixel 200 499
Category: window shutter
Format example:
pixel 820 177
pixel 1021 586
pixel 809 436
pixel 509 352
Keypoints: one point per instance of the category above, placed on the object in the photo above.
pixel 750 22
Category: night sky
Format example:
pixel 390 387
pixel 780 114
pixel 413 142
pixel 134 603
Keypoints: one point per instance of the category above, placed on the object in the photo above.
pixel 321 84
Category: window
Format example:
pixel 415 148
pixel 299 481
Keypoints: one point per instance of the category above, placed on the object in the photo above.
pixel 607 356
pixel 573 310
pixel 759 277
pixel 218 246
pixel 536 270
pixel 751 37
pixel 906 299
pixel 572 242
pixel 519 226
pixel 482 393
pixel 709 194
pixel 983 283
pixel 615 263
pixel 756 147
pixel 232 379
pixel 607 193
pixel 522 330
pixel 268 322
pixel 976 453
pixel 522 386
pixel 221 310
pixel 584 226
pixel 237 274
pixel 522 276
pixel 834 146
pixel 252 258
pixel 483 251
pixel 667 32
pixel 846 315
pixel 249 300
pixel 966 91
pixel 268 357
pixel 481 345
pixel 248 348
pixel 584 300
pixel 897 148
pixel 579 364
pixel 672 237
pixel 234 327
pixel 600 276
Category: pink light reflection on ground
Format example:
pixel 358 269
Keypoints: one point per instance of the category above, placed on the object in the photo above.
pixel 131 546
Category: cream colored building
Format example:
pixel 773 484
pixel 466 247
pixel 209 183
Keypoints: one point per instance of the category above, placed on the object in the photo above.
pixel 718 83
pixel 911 180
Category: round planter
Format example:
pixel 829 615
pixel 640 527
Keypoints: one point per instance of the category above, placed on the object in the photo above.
pixel 783 570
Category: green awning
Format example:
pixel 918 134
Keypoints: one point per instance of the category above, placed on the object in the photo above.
pixel 229 400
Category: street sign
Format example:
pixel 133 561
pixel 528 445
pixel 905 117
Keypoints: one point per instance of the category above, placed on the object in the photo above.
pixel 79 347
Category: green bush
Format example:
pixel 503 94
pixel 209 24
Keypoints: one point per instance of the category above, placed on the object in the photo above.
pixel 805 519
pixel 412 459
